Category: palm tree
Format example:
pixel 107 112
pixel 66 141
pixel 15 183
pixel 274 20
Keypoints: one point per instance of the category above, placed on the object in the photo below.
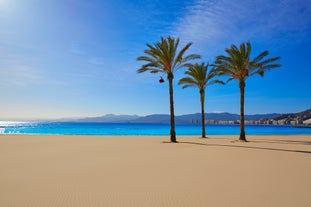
pixel 239 66
pixel 199 76
pixel 163 57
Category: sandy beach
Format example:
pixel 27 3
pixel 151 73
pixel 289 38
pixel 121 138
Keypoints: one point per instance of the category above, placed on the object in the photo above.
pixel 49 170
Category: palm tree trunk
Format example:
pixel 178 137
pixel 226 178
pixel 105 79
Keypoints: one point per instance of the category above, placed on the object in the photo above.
pixel 242 130
pixel 202 94
pixel 170 77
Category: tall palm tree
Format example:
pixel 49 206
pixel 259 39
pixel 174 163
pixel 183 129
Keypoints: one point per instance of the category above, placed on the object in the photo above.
pixel 163 57
pixel 199 76
pixel 238 65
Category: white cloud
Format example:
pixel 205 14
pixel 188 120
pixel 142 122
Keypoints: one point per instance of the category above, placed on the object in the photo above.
pixel 214 23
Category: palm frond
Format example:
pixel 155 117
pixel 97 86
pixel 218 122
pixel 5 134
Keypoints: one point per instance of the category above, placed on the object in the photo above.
pixel 238 65
pixel 141 70
pixel 270 60
pixel 198 75
pixel 151 70
pixel 145 58
pixel 182 51
pixel 248 50
pixel 230 79
pixel 163 57
pixel 217 82
pixel 261 56
pixel 181 61
pixel 261 73
pixel 187 82
pixel 190 57
pixel 271 66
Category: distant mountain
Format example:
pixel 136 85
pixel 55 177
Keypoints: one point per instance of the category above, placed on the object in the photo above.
pixel 110 118
pixel 304 115
pixel 154 118
pixel 165 118
pixel 261 116
pixel 196 118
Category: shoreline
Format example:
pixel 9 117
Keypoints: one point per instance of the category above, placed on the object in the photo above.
pixel 79 170
pixel 154 135
pixel 105 129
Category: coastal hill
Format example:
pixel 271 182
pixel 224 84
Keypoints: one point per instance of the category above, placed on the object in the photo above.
pixel 110 118
pixel 304 115
pixel 181 119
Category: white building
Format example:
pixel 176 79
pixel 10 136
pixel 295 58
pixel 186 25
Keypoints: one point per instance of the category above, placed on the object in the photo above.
pixel 308 121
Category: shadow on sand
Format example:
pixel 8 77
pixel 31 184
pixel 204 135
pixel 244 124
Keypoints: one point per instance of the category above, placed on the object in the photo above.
pixel 278 141
pixel 257 148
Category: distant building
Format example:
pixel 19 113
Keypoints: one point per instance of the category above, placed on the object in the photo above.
pixel 263 121
pixel 228 122
pixel 275 122
pixel 283 122
pixel 293 122
pixel 249 122
pixel 195 121
pixel 308 121
pixel 296 121
pixel 210 122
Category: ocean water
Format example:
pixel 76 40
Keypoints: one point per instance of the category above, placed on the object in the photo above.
pixel 74 128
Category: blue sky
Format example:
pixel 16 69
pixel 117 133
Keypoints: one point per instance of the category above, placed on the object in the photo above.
pixel 76 58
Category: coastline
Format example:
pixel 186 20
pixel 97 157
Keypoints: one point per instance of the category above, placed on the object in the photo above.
pixel 79 170
pixel 115 129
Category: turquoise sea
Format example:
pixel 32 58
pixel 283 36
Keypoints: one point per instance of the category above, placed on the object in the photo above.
pixel 74 128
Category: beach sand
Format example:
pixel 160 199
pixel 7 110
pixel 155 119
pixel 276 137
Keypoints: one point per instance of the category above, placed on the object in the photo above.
pixel 49 170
